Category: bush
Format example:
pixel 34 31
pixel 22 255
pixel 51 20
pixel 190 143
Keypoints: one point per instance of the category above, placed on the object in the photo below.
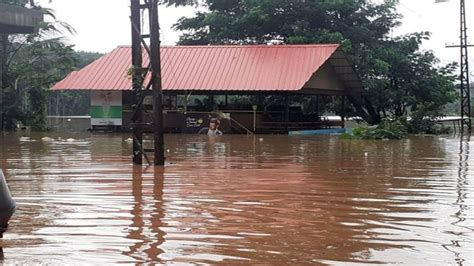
pixel 388 129
pixel 420 124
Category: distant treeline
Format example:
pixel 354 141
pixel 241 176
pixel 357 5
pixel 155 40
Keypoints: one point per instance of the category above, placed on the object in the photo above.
pixel 73 103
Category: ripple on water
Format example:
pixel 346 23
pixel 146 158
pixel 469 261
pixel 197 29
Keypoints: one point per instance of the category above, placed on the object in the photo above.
pixel 301 200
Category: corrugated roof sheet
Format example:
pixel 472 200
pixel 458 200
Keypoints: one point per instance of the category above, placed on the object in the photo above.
pixel 210 68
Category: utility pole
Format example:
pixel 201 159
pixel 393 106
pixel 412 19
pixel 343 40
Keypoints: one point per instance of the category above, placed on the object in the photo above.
pixel 155 61
pixel 465 83
pixel 154 87
pixel 137 82
pixel 464 66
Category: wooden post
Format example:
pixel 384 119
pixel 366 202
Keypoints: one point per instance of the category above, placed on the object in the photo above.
pixel 287 111
pixel 155 60
pixel 343 111
pixel 317 108
pixel 254 109
pixel 212 102
pixel 185 107
pixel 137 81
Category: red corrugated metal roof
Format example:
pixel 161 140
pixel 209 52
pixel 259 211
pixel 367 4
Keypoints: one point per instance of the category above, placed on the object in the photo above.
pixel 219 68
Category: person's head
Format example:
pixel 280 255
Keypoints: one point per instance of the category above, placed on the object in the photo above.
pixel 214 124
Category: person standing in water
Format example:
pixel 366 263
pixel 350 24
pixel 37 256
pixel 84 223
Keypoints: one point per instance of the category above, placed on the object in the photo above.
pixel 213 129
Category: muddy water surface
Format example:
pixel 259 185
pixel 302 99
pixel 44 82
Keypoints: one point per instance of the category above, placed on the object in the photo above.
pixel 236 199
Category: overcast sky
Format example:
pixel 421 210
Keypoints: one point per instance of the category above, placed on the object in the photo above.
pixel 107 24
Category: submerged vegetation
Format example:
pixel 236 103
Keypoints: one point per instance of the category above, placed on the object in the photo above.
pixel 388 129
pixel 397 129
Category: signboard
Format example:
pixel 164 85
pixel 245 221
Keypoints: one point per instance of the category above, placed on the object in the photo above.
pixel 106 108
pixel 194 122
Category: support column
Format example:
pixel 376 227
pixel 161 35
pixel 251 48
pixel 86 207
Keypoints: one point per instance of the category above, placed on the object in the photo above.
pixel 185 103
pixel 155 59
pixel 343 111
pixel 317 107
pixel 137 78
pixel 287 111
pixel 212 102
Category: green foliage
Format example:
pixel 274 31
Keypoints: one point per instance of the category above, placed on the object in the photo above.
pixel 72 103
pixel 422 121
pixel 398 129
pixel 388 129
pixel 32 64
pixel 411 81
pixel 83 58
pixel 356 24
pixel 31 69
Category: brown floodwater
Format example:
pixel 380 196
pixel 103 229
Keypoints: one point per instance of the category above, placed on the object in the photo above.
pixel 240 199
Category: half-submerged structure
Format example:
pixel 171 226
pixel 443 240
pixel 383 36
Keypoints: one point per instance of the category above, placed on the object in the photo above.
pixel 223 74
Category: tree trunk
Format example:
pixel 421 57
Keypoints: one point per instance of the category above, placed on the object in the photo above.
pixel 365 109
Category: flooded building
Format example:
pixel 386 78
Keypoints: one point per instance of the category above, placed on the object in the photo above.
pixel 251 88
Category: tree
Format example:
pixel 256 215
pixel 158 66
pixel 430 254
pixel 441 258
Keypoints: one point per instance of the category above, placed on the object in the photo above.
pixel 399 75
pixel 73 103
pixel 409 80
pixel 31 64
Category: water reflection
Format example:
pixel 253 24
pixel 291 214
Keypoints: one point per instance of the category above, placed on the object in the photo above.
pixel 240 199
pixel 456 245
pixel 146 232
pixel 136 230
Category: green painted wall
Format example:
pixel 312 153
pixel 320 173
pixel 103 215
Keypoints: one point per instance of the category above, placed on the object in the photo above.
pixel 113 112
